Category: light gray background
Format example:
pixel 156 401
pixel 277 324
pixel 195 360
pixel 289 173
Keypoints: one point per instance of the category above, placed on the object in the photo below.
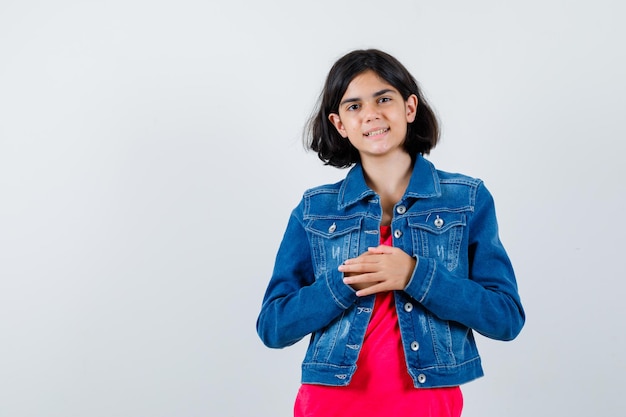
pixel 150 155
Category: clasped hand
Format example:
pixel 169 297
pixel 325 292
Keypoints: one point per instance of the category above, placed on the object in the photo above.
pixel 383 268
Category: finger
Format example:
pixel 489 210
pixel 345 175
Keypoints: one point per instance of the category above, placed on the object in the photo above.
pixel 382 249
pixel 358 287
pixel 362 257
pixel 367 278
pixel 360 267
pixel 372 289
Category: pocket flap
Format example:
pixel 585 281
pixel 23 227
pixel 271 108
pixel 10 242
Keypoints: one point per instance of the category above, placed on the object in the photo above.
pixel 330 228
pixel 438 222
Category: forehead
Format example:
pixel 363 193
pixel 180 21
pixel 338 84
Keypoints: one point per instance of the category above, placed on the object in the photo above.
pixel 366 84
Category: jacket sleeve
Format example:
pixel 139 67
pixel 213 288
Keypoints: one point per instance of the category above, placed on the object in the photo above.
pixel 488 300
pixel 296 303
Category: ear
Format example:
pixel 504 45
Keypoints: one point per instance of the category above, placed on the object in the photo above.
pixel 411 108
pixel 336 121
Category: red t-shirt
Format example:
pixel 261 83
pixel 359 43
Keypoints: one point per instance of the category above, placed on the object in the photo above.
pixel 381 385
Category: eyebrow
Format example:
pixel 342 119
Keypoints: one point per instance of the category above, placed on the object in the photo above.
pixel 376 94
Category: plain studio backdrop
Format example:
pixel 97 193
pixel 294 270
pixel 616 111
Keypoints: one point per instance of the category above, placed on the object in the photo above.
pixel 150 155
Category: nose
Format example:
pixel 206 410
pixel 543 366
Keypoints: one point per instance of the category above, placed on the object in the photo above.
pixel 370 111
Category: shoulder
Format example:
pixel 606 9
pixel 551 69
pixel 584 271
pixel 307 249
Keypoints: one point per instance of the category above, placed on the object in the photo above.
pixel 321 198
pixel 459 185
pixel 332 188
pixel 446 177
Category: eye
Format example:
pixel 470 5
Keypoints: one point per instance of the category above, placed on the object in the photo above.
pixel 352 107
pixel 384 99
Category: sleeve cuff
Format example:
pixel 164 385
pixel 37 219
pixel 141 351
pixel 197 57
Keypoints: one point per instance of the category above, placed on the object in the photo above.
pixel 422 278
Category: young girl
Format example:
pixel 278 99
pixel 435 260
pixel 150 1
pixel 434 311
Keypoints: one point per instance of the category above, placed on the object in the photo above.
pixel 391 269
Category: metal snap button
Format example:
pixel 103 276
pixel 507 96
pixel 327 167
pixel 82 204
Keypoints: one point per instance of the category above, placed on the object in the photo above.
pixel 332 228
pixel 408 307
pixel 415 346
pixel 401 209
pixel 421 378
pixel 397 234
pixel 438 222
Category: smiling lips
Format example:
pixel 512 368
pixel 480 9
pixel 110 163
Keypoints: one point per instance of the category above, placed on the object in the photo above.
pixel 376 132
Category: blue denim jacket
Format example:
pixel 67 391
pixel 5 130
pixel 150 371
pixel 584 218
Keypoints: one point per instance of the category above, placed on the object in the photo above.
pixel 463 279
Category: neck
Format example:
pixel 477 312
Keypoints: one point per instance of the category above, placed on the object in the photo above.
pixel 389 178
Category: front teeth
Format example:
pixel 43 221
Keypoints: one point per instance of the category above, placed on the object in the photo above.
pixel 376 132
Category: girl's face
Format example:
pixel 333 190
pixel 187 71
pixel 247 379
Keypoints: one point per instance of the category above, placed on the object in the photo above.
pixel 373 116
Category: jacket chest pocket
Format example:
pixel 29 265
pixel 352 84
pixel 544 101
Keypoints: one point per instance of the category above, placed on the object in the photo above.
pixel 439 235
pixel 333 241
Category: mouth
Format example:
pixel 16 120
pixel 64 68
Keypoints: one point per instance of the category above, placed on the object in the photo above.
pixel 376 132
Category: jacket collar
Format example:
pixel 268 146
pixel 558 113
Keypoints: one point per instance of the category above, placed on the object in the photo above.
pixel 424 183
